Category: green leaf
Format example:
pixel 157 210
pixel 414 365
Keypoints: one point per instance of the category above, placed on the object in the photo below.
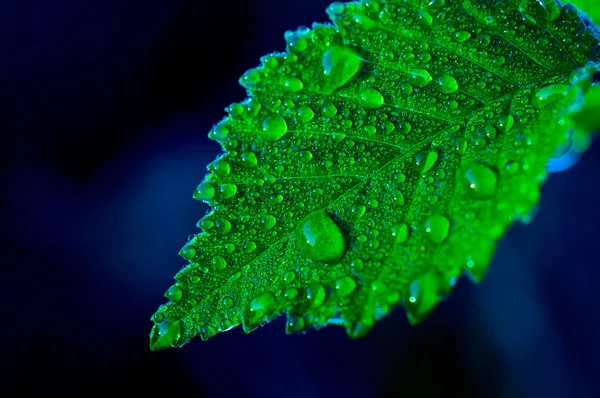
pixel 376 161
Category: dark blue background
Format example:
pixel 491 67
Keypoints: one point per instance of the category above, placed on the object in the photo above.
pixel 105 108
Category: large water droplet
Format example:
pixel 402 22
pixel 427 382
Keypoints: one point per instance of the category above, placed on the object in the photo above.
pixel 305 114
pixel 447 84
pixel 371 98
pixel 316 294
pixel 425 161
pixel 340 65
pixel 424 294
pixel 274 127
pixel 420 77
pixel 549 95
pixel 174 294
pixel 205 192
pixel 345 286
pixel 249 159
pixel 320 239
pixel 165 334
pixel 480 181
pixel 437 228
pixel 400 232
pixel 261 307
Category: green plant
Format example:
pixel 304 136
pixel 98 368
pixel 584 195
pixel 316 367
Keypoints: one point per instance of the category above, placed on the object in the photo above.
pixel 377 160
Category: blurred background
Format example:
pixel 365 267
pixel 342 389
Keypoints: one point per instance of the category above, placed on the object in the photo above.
pixel 106 108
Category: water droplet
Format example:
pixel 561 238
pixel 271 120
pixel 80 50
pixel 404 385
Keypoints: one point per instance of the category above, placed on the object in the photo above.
pixel 447 84
pixel 358 210
pixel 549 95
pixel 425 17
pixel 204 192
pixel 249 160
pixel 329 110
pixel 320 239
pixel 306 156
pixel 340 65
pixel 424 294
pixel 462 36
pixel 293 84
pixel 250 78
pixel 460 145
pixel 268 221
pixel 218 263
pixel 289 276
pixel 397 197
pixel 227 302
pixel 425 161
pixel 345 286
pixel 480 181
pixel 223 226
pixel 261 307
pixel 165 334
pixel 305 114
pixel 316 294
pixel 437 228
pixel 249 246
pixel 420 77
pixel 506 122
pixel 228 190
pixel 174 294
pixel 274 127
pixel 400 232
pixel 220 167
pixel 371 98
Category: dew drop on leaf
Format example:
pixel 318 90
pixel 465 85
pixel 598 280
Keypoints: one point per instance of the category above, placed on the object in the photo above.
pixel 320 238
pixel 437 228
pixel 305 114
pixel 400 232
pixel 249 159
pixel 174 294
pixel 425 161
pixel 227 303
pixel 371 98
pixel 205 192
pixel 420 77
pixel 345 286
pixel 316 294
pixel 228 190
pixel 274 127
pixel 260 307
pixel 340 65
pixel 447 84
pixel 480 181
pixel 549 95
